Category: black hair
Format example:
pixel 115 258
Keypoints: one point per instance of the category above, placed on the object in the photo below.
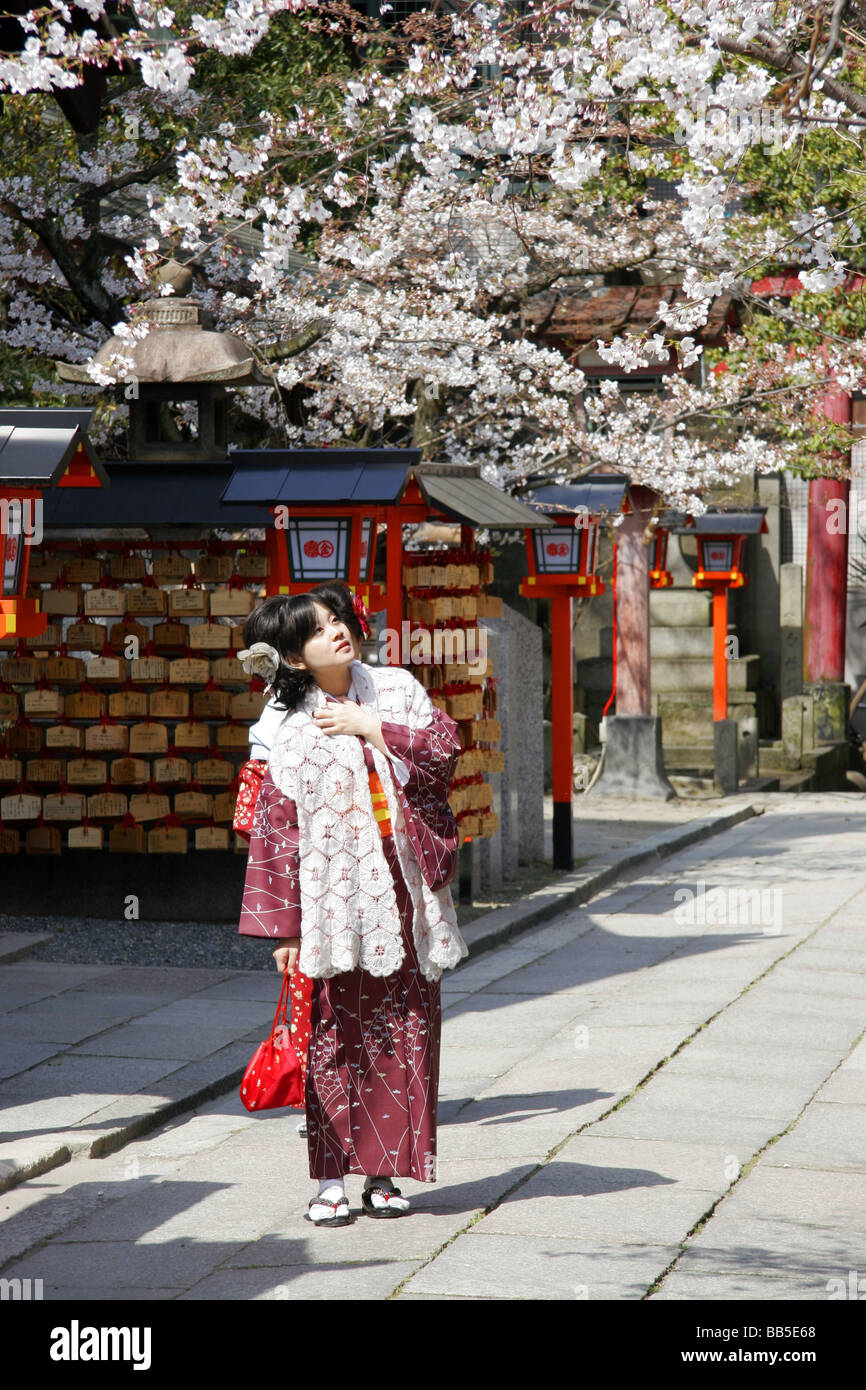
pixel 288 624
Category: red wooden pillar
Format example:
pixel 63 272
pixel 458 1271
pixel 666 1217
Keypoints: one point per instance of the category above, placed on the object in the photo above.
pixel 826 581
pixel 394 579
pixel 562 721
pixel 632 612
pixel 827 564
pixel 279 578
pixel 720 655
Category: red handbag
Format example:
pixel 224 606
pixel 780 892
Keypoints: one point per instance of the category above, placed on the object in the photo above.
pixel 275 1075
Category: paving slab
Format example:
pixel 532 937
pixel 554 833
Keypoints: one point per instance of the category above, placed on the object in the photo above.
pixel 538 1267
pixel 829 1136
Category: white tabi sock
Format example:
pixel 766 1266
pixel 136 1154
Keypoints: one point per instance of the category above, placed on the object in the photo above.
pixel 332 1188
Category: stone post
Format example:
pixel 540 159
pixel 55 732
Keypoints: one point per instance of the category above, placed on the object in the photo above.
pixel 790 631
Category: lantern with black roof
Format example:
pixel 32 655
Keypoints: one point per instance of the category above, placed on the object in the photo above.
pixel 39 450
pixel 721 536
pixel 561 566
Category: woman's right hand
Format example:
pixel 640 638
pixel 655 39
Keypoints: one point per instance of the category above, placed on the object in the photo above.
pixel 286 956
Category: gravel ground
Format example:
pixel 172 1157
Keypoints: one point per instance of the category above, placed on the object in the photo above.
pixel 89 941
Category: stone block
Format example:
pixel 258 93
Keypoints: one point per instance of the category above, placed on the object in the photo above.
pixel 747 748
pixel 633 760
pixel 696 673
pixel 790 631
pixel 725 755
pixel 830 700
pixel 675 642
pixel 680 608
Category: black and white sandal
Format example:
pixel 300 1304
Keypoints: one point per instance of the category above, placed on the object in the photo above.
pixel 340 1214
pixel 388 1212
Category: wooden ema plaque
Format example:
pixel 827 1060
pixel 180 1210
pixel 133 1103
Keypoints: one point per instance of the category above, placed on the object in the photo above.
pixel 210 704
pixel 47 640
pixel 190 670
pixel 146 603
pixel 230 671
pixel 85 704
pixel 107 806
pixel 171 637
pixel 224 807
pixel 127 839
pixel 214 772
pixel 66 806
pixel 128 567
pixel 212 837
pixel 150 807
pixel 210 637
pixel 64 670
pixel 85 637
pixel 86 837
pixel 81 569
pixel 148 738
pixel 187 603
pixel 44 704
pixel 214 569
pixel 129 772
pixel 171 770
pixel 10 841
pixel 192 735
pixel 194 805
pixel 20 806
pixel 105 670
pixel 109 603
pixel 9 706
pixel 86 772
pixel 106 738
pixel 128 704
pixel 44 569
pixel 120 633
pixel 238 643
pixel 248 705
pixel 148 670
pixel 42 839
pixel 169 704
pixel 42 770
pixel 233 737
pixel 231 603
pixel 22 739
pixel 63 736
pixel 60 603
pixel 251 564
pixel 168 839
pixel 20 670
pixel 170 568
pixel 10 770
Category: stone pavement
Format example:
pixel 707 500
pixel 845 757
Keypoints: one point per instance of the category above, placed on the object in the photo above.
pixel 94 1055
pixel 658 1095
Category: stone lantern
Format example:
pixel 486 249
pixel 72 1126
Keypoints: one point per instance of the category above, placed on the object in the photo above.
pixel 181 362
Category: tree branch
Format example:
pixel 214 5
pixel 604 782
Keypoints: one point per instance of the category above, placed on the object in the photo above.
pixel 285 348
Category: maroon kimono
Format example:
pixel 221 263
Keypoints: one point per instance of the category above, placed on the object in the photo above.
pixel 373 1063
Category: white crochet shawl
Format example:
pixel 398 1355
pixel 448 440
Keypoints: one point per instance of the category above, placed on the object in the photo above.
pixel 349 914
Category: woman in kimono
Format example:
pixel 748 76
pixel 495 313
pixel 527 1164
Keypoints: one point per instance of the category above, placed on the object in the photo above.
pixel 352 849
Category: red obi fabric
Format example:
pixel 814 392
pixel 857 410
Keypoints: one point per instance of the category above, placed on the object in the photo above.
pixel 249 786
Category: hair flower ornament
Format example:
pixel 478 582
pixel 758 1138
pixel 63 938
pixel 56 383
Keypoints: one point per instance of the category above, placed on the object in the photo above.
pixel 261 659
pixel 361 613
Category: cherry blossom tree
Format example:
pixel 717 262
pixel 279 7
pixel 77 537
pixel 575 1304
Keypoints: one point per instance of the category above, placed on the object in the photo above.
pixel 396 244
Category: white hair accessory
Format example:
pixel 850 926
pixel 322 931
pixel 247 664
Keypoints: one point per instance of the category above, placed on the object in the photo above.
pixel 260 660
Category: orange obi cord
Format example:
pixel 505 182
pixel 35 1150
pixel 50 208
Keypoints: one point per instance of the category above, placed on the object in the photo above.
pixel 380 804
